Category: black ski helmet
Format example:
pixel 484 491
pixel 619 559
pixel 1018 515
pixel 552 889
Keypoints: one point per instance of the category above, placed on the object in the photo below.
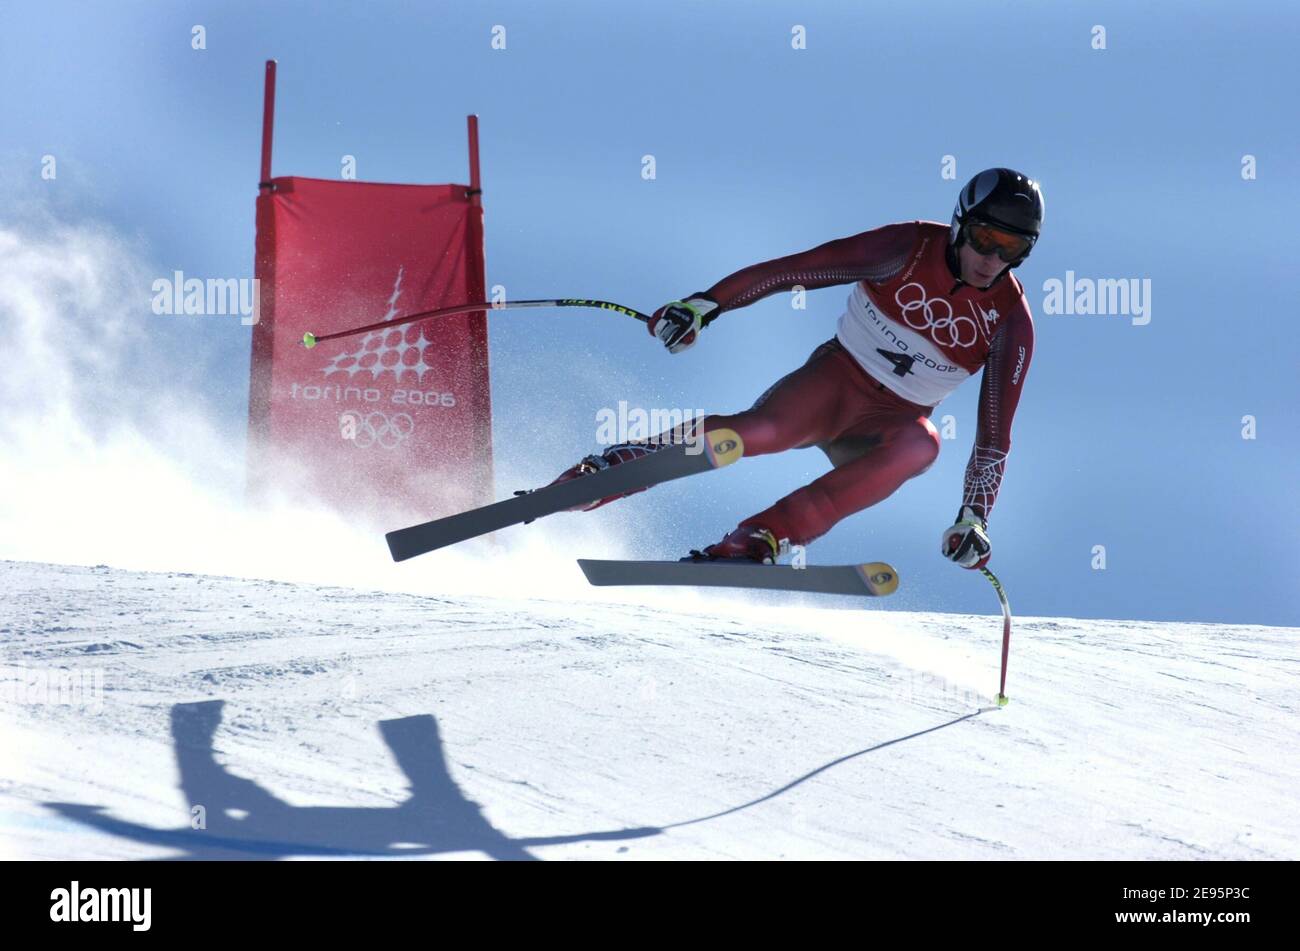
pixel 1001 197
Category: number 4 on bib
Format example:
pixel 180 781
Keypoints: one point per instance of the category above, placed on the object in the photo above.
pixel 901 361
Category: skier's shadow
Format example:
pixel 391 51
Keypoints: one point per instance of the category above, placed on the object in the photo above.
pixel 240 819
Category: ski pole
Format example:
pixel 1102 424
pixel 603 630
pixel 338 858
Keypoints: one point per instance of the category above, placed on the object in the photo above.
pixel 310 339
pixel 1003 700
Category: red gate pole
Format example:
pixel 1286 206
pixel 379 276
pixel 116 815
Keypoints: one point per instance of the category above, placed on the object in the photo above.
pixel 259 377
pixel 475 188
pixel 268 124
pixel 478 291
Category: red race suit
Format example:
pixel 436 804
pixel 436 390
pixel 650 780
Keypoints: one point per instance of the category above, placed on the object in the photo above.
pixel 911 333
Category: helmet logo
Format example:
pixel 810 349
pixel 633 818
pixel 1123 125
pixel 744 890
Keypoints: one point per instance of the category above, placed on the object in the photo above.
pixel 982 187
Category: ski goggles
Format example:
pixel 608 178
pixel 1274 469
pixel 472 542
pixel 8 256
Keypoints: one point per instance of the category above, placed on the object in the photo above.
pixel 989 239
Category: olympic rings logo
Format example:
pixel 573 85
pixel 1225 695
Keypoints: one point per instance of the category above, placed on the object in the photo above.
pixel 935 315
pixel 377 429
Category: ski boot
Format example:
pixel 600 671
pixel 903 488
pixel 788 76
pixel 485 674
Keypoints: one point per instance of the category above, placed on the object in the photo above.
pixel 613 456
pixel 745 545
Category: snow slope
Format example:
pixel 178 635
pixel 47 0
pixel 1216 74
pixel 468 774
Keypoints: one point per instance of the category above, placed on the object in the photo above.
pixel 304 721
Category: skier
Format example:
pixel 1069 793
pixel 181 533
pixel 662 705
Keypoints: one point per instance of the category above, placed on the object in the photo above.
pixel 931 304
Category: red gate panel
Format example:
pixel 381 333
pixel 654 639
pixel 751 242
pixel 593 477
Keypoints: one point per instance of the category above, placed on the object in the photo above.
pixel 393 423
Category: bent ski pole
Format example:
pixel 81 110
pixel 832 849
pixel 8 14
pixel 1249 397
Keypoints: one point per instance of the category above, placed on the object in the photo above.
pixel 1006 633
pixel 310 339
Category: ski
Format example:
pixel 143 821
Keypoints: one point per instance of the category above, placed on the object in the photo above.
pixel 720 447
pixel 874 579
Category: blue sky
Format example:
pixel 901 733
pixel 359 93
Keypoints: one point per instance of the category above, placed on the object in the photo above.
pixel 1127 437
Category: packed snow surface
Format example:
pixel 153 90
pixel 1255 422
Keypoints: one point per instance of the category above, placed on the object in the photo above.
pixel 168 715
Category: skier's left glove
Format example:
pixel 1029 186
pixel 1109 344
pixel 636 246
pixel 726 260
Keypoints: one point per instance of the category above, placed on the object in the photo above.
pixel 967 542
pixel 678 324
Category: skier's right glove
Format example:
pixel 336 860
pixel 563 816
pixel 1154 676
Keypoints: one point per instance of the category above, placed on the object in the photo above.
pixel 967 542
pixel 678 324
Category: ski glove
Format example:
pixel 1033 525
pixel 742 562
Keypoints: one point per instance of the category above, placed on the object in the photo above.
pixel 679 323
pixel 967 542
